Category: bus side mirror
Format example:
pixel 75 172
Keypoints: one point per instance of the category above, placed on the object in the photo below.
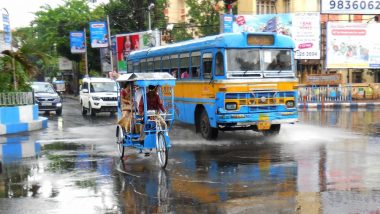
pixel 85 90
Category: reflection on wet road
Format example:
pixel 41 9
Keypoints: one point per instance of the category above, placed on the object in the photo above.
pixel 327 163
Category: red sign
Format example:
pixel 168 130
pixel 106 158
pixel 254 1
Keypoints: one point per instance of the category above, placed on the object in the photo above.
pixel 305 45
pixel 240 20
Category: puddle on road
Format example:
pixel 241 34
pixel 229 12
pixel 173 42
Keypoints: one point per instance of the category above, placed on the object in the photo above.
pixel 308 168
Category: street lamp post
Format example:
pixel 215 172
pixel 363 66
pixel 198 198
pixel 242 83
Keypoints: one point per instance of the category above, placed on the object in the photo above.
pixel 150 7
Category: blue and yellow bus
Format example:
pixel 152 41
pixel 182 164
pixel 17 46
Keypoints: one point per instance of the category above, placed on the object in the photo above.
pixel 234 81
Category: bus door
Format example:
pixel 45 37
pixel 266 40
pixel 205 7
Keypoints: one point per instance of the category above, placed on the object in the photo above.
pixel 207 75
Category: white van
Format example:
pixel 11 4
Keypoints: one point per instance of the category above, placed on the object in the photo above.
pixel 98 94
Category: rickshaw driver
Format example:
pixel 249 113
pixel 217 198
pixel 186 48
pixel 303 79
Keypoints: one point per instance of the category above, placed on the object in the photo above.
pixel 153 103
pixel 127 107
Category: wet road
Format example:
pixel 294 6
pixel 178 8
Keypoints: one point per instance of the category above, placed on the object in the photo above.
pixel 329 162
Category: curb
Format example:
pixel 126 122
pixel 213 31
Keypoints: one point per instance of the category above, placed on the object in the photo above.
pixel 339 105
pixel 14 119
pixel 11 128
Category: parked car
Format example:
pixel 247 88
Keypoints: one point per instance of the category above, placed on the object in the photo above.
pixel 98 94
pixel 46 97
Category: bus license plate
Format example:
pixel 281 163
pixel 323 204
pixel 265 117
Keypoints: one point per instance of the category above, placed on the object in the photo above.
pixel 263 125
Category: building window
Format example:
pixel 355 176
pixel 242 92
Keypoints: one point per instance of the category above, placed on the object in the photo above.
pixel 266 7
pixel 286 6
pixel 357 77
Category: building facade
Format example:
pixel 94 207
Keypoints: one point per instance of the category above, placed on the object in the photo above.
pixel 176 12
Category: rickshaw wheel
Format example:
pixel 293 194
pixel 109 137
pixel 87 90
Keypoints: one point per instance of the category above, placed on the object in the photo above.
pixel 162 152
pixel 207 131
pixel 120 141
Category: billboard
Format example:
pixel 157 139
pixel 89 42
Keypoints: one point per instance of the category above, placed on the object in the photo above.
pixel 125 43
pixel 77 42
pixel 352 45
pixel 369 7
pixel 6 34
pixel 303 27
pixel 306 34
pixel 98 34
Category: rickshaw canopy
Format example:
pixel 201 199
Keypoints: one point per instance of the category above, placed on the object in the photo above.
pixel 146 79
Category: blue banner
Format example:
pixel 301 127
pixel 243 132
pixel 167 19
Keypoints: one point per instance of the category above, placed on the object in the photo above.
pixel 77 42
pixel 228 20
pixel 98 34
pixel 7 29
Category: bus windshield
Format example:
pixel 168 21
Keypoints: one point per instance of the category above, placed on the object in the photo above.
pixel 103 87
pixel 244 60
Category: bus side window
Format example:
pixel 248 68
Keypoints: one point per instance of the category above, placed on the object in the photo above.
pixel 219 64
pixel 195 72
pixel 174 72
pixel 195 65
pixel 207 65
pixel 130 67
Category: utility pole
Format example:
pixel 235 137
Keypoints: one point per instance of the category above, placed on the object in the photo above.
pixel 150 7
pixel 85 53
pixel 109 42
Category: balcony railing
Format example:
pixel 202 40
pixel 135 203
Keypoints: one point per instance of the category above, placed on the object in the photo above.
pixel 16 98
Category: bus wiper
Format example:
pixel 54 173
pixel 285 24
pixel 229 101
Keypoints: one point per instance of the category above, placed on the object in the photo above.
pixel 245 73
pixel 211 80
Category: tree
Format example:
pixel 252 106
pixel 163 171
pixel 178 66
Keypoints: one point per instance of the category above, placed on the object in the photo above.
pixel 23 61
pixel 128 16
pixel 203 15
pixel 53 27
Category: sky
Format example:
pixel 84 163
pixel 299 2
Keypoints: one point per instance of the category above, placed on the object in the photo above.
pixel 21 11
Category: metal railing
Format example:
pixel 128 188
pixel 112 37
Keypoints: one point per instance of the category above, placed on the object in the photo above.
pixel 312 94
pixel 16 98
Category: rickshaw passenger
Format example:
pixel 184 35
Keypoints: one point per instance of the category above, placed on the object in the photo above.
pixel 153 103
pixel 126 106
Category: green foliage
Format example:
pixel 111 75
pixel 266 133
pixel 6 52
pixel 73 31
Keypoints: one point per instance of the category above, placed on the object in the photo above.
pixel 6 76
pixel 128 16
pixel 53 26
pixel 202 14
pixel 181 33
pixel 94 73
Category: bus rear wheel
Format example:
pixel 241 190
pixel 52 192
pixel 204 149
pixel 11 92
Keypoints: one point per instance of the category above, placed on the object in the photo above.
pixel 205 128
pixel 274 130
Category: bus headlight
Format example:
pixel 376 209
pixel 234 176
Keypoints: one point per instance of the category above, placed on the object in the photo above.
pixel 96 98
pixel 231 106
pixel 290 104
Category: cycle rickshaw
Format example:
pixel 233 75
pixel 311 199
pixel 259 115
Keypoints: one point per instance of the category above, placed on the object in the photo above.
pixel 156 132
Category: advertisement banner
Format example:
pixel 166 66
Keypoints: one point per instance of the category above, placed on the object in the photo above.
pixel 77 40
pixel 350 7
pixel 228 20
pixel 125 43
pixel 323 79
pixel 64 64
pixel 306 35
pixel 352 45
pixel 7 29
pixel 98 34
pixel 279 23
pixel 304 28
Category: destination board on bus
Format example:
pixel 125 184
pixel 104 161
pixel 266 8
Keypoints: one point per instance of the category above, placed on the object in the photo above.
pixel 255 39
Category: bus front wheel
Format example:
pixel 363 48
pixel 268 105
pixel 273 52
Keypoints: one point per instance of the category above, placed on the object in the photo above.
pixel 205 128
pixel 274 130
